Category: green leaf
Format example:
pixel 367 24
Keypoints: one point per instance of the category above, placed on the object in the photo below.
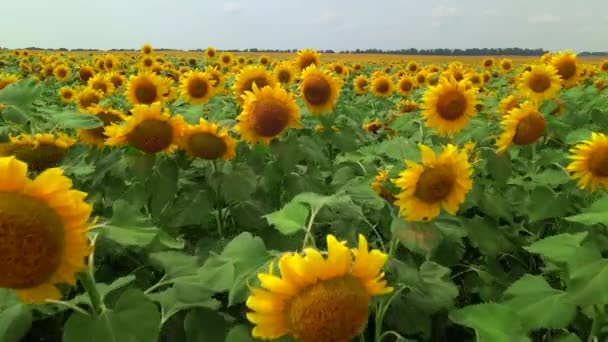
pixel 558 248
pixel 588 284
pixel 418 237
pixel 128 226
pixel 21 93
pixel 566 338
pixel 578 135
pixel 492 322
pixel 317 201
pixel 499 166
pixel 175 264
pixel 487 237
pixel 104 289
pixel 551 177
pixel 290 219
pixel 538 304
pixel 434 290
pixel 75 120
pixel 239 184
pixel 204 325
pixel 398 148
pixel 184 296
pixel 597 213
pixel 544 204
pixel 240 333
pixel 15 322
pixel 134 318
pixel 163 185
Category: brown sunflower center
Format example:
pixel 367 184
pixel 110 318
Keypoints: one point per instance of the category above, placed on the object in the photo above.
pixel 210 53
pixel 434 184
pixel 67 95
pixel 148 62
pixel 147 50
pixel 567 69
pixel 100 85
pixel 338 69
pixel 226 59
pixel 458 75
pixel 86 100
pixel 109 64
pixel 151 136
pixel 116 80
pixel 334 310
pixel 307 61
pixel 405 85
pixel 85 74
pixel 284 76
pixel 529 129
pixel 361 83
pixel 198 88
pixel 598 162
pixel 317 90
pixel 539 82
pixel 412 67
pixel 407 108
pixel 604 66
pixel 41 157
pixel 451 105
pixel 506 65
pixel 487 63
pixel 62 73
pixel 269 118
pixel 261 82
pixel 382 86
pixel 206 146
pixel 31 241
pixel 107 119
pixel 145 91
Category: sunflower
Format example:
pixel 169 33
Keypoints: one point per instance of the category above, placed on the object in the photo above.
pixel 407 106
pixel 216 76
pixel 382 86
pixel 360 84
pixel 488 63
pixel 440 181
pixel 306 58
pixel 226 58
pixel 506 65
pixel 96 136
pixel 567 68
pixel 486 77
pixel 508 103
pixel 197 87
pixel 6 79
pixel 110 62
pixel 210 52
pixel 66 94
pixel 604 66
pixel 540 83
pixel 284 73
pixel 44 225
pixel 88 97
pixel 357 67
pixel 39 151
pixel 413 67
pixel 320 90
pixel 405 86
pixel 146 88
pixel 147 50
pixel 207 141
pixel 372 126
pixel 449 106
pixel 117 79
pixel 522 126
pixel 379 188
pixel 600 84
pixel 62 72
pixel 266 114
pixel 102 83
pixel 242 60
pixel 474 78
pixel 317 298
pixel 148 129
pixel 248 76
pixel 264 60
pixel 85 72
pixel 590 162
pixel 147 62
pixel 339 69
pixel 47 70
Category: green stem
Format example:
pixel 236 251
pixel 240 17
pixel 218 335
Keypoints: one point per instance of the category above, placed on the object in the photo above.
pixel 595 325
pixel 219 218
pixel 87 281
pixel 308 239
pixel 381 312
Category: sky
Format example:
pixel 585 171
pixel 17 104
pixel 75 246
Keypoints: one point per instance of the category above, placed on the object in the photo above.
pixel 319 24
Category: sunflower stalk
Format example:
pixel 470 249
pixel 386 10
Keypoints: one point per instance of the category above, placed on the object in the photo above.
pixel 87 280
pixel 596 324
pixel 381 310
pixel 309 240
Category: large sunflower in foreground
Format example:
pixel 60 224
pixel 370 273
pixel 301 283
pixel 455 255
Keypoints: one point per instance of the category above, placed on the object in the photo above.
pixel 448 107
pixel 440 181
pixel 149 130
pixel 567 67
pixel 382 86
pixel 590 162
pixel 96 136
pixel 247 77
pixel 266 114
pixel 540 83
pixel 197 87
pixel 320 90
pixel 146 88
pixel 40 151
pixel 318 298
pixel 306 58
pixel 522 126
pixel 44 225
pixel 207 141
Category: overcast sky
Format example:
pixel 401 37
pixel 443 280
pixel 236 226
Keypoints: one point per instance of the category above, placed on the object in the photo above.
pixel 321 24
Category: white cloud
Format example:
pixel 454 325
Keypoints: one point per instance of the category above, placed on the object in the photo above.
pixel 438 13
pixel 544 18
pixel 232 7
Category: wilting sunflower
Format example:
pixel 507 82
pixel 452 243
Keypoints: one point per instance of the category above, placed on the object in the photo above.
pixel 96 136
pixel 62 72
pixel 382 86
pixel 67 94
pixel 88 97
pixel 508 103
pixel 449 106
pixel 247 77
pixel 284 73
pixel 540 83
pixel 102 83
pixel 146 88
pixel 522 126
pixel 360 84
pixel 440 181
pixel 44 226
pixel 506 65
pixel 488 63
pixel 147 49
pixel 407 106
pixel 6 79
pixel 567 68
pixel 40 151
pixel 207 141
pixel 405 86
pixel 85 72
pixel 148 129
pixel 226 58
pixel 266 114
pixel 320 90
pixel 306 58
pixel 210 52
pixel 317 298
pixel 413 67
pixel 590 165
pixel 197 87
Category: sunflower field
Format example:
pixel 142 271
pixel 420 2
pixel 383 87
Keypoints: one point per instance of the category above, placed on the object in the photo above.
pixel 215 196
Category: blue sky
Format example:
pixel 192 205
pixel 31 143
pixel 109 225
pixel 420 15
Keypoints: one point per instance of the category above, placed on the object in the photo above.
pixel 321 24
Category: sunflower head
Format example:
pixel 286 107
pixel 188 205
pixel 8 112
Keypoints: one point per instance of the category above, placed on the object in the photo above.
pixel 117 79
pixel 405 85
pixel 379 187
pixel 306 58
pixel 207 141
pixel 567 68
pixel 522 126
pixel 320 90
pixel 506 64
pixel 317 298
pixel 373 126
pixel 267 113
pixel 110 62
pixel 88 97
pixel 102 83
pixel 540 83
pixel 590 162
pixel 146 88
pixel 488 63
pixel 67 94
pixel 361 84
pixel 147 50
pixel 85 72
pixel 216 76
pixel 509 103
pixel 407 106
pixel 39 151
pixel 210 52
pixel 440 181
pixel 382 86
pixel 226 58
pixel 96 136
pixel 62 72
pixel 413 67
pixel 264 60
pixel 197 87
pixel 284 73
pixel 249 76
